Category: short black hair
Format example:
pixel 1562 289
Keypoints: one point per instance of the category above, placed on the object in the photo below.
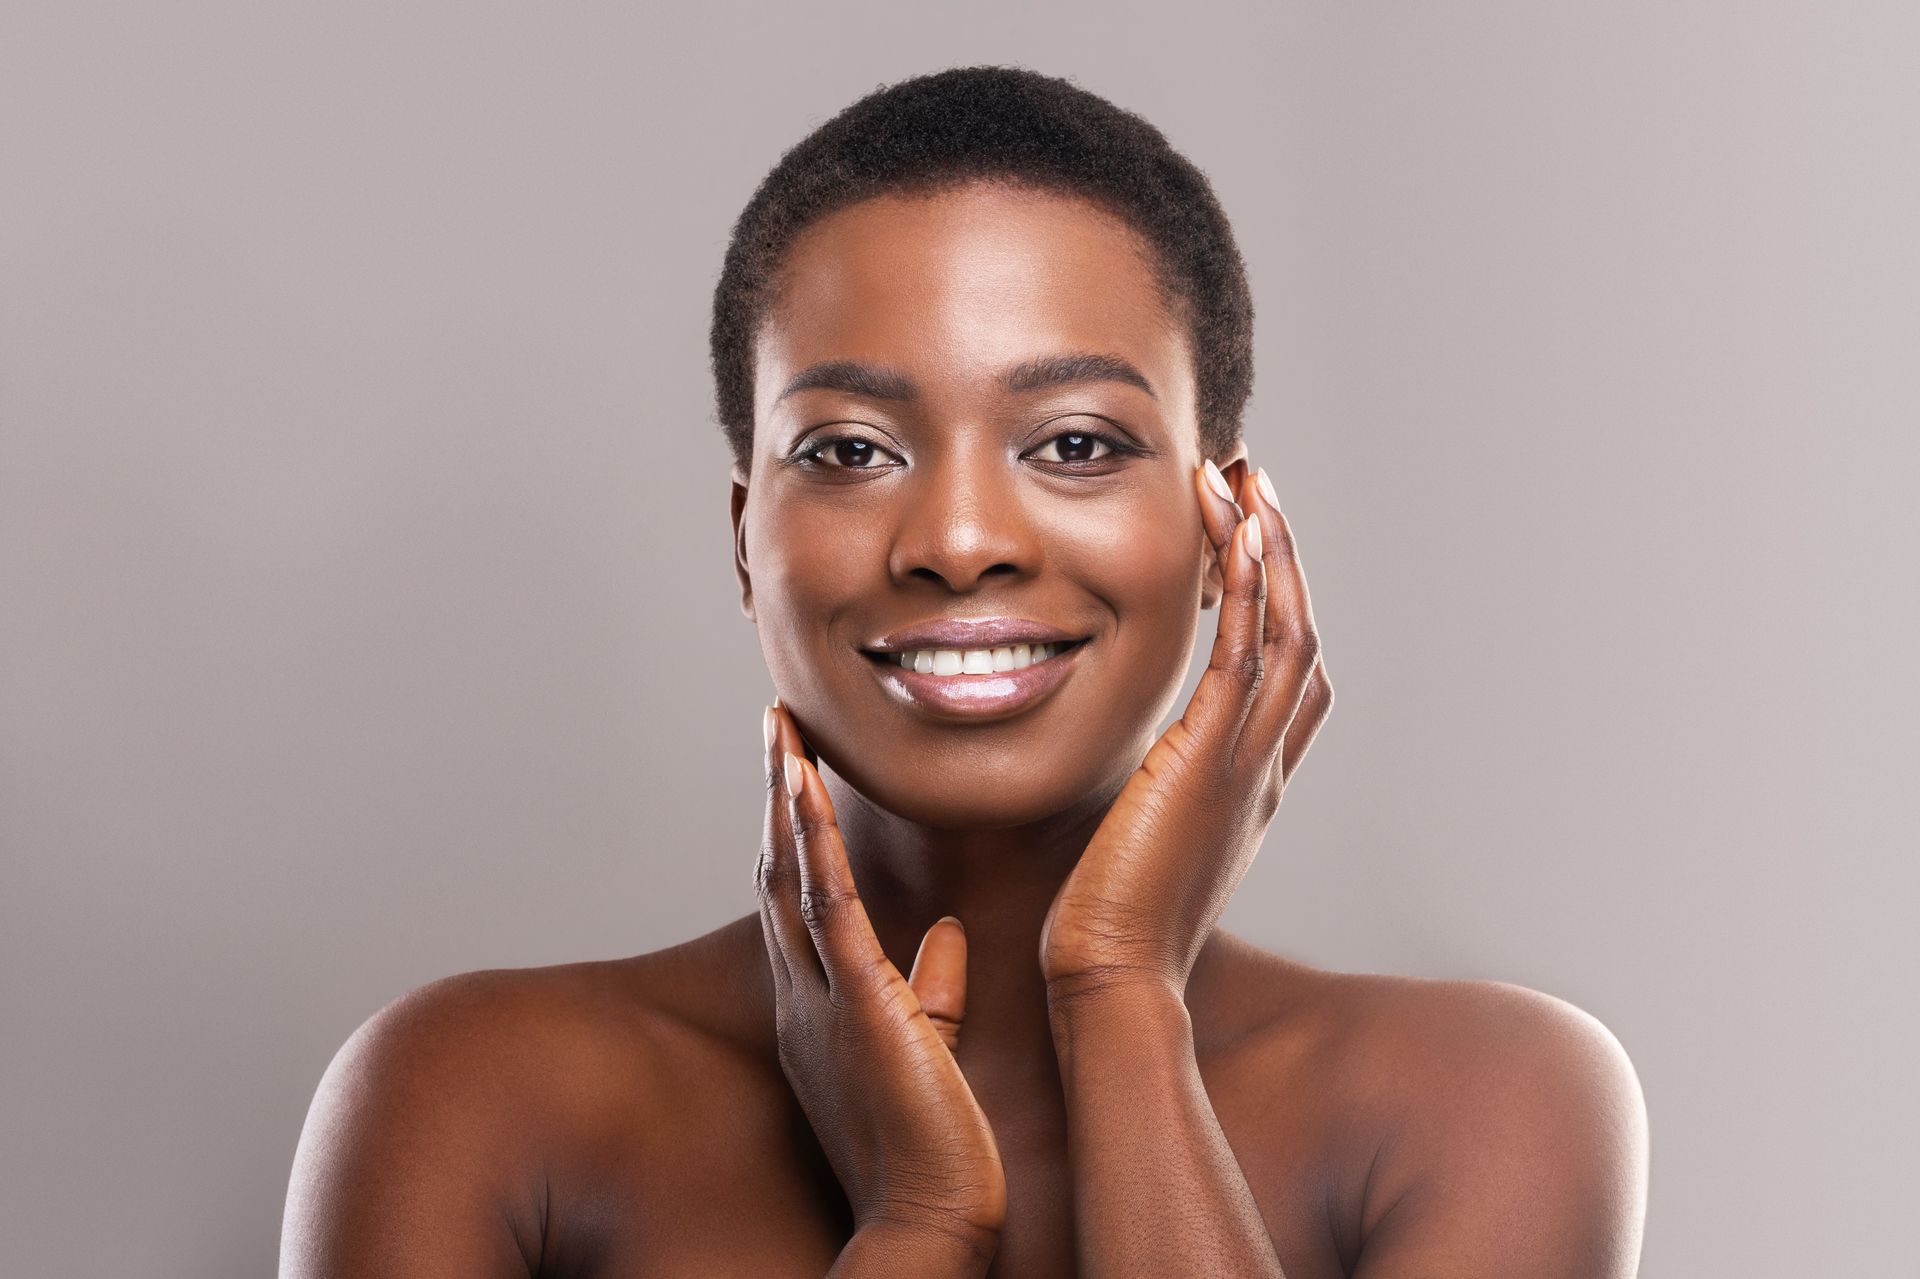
pixel 1013 126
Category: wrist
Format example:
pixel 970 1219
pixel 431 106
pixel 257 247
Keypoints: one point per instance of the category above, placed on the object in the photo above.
pixel 1103 990
pixel 919 1243
pixel 1118 1017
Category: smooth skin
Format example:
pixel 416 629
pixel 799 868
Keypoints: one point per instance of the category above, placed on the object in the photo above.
pixel 1080 1073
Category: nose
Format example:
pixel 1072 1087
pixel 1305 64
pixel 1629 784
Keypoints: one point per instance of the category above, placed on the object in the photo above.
pixel 964 523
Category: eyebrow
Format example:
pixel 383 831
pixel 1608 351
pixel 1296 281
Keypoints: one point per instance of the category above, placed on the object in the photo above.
pixel 877 382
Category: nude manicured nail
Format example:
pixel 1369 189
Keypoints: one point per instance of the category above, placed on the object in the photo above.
pixel 1217 482
pixel 768 727
pixel 793 774
pixel 1252 536
pixel 1265 486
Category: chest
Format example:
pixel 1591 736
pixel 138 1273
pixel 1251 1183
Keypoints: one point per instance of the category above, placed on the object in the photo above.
pixel 737 1185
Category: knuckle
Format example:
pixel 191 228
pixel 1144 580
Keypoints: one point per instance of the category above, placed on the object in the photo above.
pixel 862 1010
pixel 773 874
pixel 763 871
pixel 895 1001
pixel 1319 688
pixel 821 905
pixel 1250 665
pixel 872 992
pixel 793 1036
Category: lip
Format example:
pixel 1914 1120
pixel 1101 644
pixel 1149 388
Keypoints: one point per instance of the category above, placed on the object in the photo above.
pixel 975 698
pixel 970 632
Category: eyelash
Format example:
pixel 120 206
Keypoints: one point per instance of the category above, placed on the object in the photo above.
pixel 1116 448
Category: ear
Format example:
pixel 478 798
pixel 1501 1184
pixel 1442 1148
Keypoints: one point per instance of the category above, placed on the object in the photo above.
pixel 739 500
pixel 1234 467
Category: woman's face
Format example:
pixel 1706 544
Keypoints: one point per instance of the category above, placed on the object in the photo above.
pixel 923 455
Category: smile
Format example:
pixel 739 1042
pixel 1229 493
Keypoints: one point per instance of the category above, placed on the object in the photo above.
pixel 976 661
pixel 975 684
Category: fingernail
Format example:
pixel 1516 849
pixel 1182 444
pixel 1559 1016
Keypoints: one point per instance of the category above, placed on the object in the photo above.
pixel 768 727
pixel 1217 482
pixel 1266 488
pixel 793 773
pixel 1253 536
pixel 952 919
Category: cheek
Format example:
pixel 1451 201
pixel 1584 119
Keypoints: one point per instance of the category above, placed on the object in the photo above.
pixel 1149 568
pixel 1153 561
pixel 807 572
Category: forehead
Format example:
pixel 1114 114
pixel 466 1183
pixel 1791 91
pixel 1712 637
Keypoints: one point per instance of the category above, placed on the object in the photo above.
pixel 954 288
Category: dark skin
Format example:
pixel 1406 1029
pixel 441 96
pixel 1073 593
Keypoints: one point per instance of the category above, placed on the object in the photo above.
pixel 1084 1075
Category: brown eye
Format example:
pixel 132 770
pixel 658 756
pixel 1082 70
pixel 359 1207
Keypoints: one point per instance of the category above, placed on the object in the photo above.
pixel 843 453
pixel 1079 446
pixel 850 453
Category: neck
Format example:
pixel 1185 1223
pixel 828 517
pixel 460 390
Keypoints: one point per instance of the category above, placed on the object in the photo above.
pixel 1000 884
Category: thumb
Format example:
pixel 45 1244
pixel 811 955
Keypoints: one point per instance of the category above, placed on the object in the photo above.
pixel 939 977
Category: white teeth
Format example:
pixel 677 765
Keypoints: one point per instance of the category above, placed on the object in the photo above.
pixel 974 661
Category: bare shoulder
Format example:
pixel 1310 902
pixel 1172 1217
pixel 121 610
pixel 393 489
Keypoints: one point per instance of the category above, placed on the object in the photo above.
pixel 1513 1130
pixel 1420 1041
pixel 1492 1129
pixel 555 1040
pixel 1516 1131
pixel 440 1127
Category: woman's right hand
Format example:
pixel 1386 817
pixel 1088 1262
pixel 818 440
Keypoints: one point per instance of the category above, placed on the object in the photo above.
pixel 869 1053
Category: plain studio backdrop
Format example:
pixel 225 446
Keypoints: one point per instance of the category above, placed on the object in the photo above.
pixel 366 611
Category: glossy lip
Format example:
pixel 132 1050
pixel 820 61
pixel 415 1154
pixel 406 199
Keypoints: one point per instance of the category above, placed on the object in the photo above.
pixel 975 698
pixel 970 632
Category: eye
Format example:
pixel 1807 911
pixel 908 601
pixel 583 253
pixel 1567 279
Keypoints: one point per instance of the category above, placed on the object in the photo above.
pixel 1083 447
pixel 842 453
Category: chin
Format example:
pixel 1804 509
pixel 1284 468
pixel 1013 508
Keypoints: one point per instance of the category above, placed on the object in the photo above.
pixel 976 793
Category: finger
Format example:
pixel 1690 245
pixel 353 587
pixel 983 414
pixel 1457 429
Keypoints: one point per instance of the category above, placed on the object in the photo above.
pixel 776 960
pixel 762 868
pixel 1291 641
pixel 1219 513
pixel 1315 706
pixel 799 734
pixel 939 977
pixel 778 874
pixel 1235 669
pixel 836 919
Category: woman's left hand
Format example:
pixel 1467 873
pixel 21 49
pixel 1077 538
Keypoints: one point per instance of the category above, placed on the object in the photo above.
pixel 1160 868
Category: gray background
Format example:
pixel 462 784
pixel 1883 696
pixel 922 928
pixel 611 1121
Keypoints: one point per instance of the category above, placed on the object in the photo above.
pixel 366 611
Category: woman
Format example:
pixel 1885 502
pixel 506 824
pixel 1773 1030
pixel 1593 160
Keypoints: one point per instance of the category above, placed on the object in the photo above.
pixel 982 343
